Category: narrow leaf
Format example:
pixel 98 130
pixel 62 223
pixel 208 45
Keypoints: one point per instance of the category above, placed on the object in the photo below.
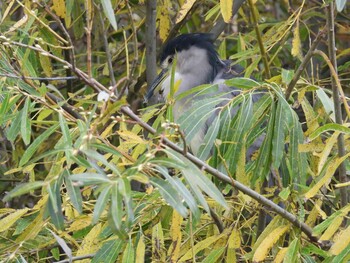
pixel 25 122
pixel 23 189
pixel 101 203
pixel 170 195
pixel 36 144
pixel 109 251
pixel 109 12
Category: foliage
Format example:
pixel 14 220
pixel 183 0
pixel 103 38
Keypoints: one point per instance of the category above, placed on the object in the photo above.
pixel 72 165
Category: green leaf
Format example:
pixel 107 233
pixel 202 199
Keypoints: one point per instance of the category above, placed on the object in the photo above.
pixel 263 162
pixel 240 132
pixel 181 189
pixel 291 255
pixel 105 148
pixel 101 203
pixel 25 122
pixel 109 251
pixel 65 131
pixel 116 211
pixel 343 256
pixel 242 83
pixel 209 139
pixel 170 195
pixel 278 136
pixel 23 189
pixel 52 197
pixel 90 178
pixel 73 192
pixel 129 253
pixel 196 179
pixel 193 120
pixel 214 255
pixel 287 76
pixel 327 102
pixel 125 190
pixel 56 216
pixel 36 144
pixel 100 158
pixel 15 128
pixel 329 127
pixel 109 12
pixel 67 250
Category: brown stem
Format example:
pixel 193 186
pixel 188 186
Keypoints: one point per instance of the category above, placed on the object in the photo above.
pixel 304 63
pixel 336 88
pixel 259 39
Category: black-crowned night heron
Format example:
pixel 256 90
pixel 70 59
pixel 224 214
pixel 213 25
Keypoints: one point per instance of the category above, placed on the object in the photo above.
pixel 197 63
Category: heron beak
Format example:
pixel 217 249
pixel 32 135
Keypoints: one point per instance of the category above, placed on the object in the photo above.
pixel 155 84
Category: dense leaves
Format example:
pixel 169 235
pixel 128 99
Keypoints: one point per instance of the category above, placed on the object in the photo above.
pixel 82 180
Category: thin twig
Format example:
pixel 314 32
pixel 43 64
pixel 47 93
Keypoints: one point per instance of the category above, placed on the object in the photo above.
pixel 13 76
pixel 76 258
pixel 88 29
pixel 336 88
pixel 259 39
pixel 304 63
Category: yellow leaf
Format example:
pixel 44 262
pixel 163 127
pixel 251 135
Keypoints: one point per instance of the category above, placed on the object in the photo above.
pixel 140 251
pixel 8 221
pixel 7 11
pixel 45 63
pixel 175 233
pixel 316 210
pixel 131 137
pixel 158 243
pixel 185 8
pixel 341 242
pixel 226 9
pixel 79 223
pixel 327 150
pixel 310 115
pixel 59 6
pixel 280 255
pixel 240 174
pixel 333 227
pixel 33 229
pixel 164 20
pixel 200 246
pixel 234 242
pixel 296 44
pixel 327 177
pixel 90 243
pixel 19 23
pixel 264 248
pixel 276 222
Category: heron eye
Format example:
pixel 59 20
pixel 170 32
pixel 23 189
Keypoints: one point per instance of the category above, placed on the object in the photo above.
pixel 170 60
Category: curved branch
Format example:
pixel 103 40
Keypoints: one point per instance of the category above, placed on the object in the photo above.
pixel 241 187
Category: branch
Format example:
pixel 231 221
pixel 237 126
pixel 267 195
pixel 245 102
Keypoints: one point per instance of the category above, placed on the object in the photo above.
pixel 259 39
pixel 151 52
pixel 222 177
pixel 336 88
pixel 76 258
pixel 304 63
